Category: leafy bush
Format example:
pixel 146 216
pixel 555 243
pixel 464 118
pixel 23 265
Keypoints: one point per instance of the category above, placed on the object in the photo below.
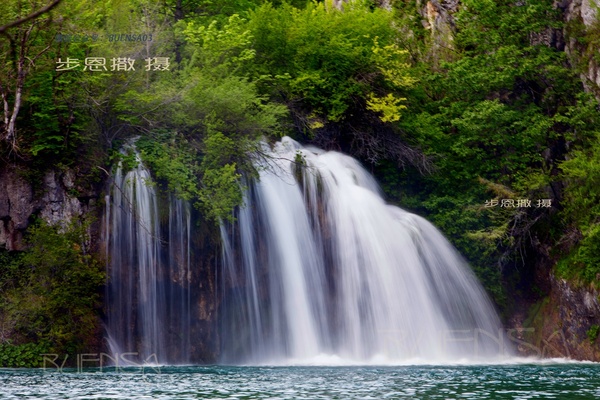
pixel 583 263
pixel 52 294
pixel 28 355
pixel 329 60
pixel 593 332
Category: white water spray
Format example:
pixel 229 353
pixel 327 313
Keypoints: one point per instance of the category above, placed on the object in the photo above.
pixel 322 266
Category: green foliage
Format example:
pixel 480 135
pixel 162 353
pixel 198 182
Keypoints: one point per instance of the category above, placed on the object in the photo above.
pixel 582 264
pixel 221 192
pixel 223 49
pixel 472 231
pixel 230 105
pixel 589 254
pixel 494 114
pixel 208 9
pixel 49 104
pixel 213 183
pixel 220 116
pixel 10 271
pixel 582 172
pixel 128 160
pixel 329 60
pixel 593 332
pixel 221 186
pixel 52 292
pixel 222 97
pixel 28 355
pixel 172 160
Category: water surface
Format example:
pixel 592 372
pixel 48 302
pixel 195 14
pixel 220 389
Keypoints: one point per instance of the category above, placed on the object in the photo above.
pixel 524 381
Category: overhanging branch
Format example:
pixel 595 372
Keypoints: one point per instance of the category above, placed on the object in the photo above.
pixel 31 16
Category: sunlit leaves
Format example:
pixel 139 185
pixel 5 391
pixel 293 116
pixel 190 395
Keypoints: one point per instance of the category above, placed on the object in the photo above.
pixel 221 188
pixel 331 61
pixel 389 106
pixel 226 48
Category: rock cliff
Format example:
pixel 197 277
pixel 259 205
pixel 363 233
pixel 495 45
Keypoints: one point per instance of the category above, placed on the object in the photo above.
pixel 55 197
pixel 564 324
pixel 582 44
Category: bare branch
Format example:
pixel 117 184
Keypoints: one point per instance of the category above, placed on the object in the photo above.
pixel 31 16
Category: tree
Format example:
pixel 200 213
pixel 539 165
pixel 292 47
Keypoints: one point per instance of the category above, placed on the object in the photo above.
pixel 29 51
pixel 33 15
pixel 342 74
pixel 27 40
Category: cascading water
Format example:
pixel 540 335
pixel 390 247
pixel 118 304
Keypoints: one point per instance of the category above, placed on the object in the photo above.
pixel 148 291
pixel 179 261
pixel 318 265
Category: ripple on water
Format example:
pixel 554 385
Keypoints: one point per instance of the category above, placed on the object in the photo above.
pixel 524 381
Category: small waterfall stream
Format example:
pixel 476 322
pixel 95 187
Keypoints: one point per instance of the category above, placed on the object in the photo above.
pixel 148 291
pixel 320 266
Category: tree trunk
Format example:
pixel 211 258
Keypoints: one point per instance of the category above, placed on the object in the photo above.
pixel 11 130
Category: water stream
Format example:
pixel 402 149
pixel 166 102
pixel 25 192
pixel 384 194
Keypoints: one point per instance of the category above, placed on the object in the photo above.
pixel 319 267
pixel 148 292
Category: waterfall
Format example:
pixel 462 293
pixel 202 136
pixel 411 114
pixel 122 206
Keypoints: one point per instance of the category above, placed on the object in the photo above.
pixel 179 268
pixel 148 288
pixel 318 265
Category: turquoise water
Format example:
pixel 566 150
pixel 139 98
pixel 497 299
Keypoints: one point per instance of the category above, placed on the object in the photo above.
pixel 524 381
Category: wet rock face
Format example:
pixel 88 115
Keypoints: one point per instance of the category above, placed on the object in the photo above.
pixel 439 14
pixel 582 55
pixel 16 205
pixel 56 200
pixel 578 310
pixel 58 206
pixel 588 11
